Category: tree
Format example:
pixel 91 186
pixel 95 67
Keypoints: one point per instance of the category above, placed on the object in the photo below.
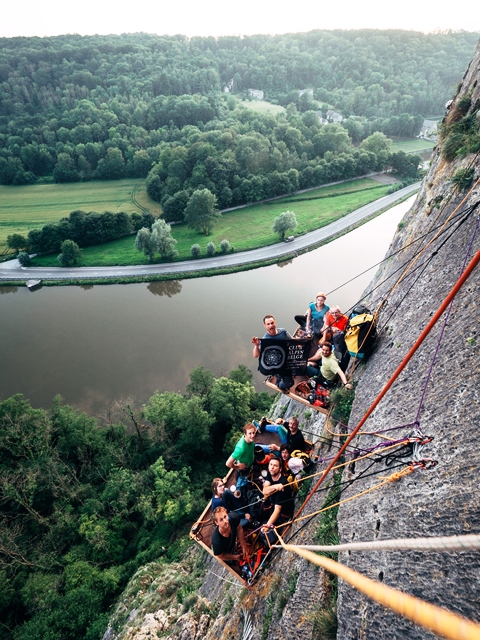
pixel 195 250
pixel 24 259
pixel 65 170
pixel 70 253
pixel 285 221
pixel 224 246
pixel 16 242
pixel 211 249
pixel 161 238
pixel 200 213
pixel 201 382
pixel 143 242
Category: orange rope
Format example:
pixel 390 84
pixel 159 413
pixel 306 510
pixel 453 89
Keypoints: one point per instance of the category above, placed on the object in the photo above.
pixel 455 289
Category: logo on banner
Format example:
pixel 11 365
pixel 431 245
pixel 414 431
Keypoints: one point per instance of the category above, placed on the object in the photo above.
pixel 285 357
pixel 273 357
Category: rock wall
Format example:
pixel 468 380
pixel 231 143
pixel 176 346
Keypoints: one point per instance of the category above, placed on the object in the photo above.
pixel 443 500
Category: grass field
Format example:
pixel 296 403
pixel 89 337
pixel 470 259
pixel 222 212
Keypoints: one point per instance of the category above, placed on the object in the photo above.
pixel 31 207
pixel 246 228
pixel 412 146
pixel 263 106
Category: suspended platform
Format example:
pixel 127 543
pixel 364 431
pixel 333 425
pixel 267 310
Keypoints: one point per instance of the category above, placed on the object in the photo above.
pixel 295 395
pixel 203 528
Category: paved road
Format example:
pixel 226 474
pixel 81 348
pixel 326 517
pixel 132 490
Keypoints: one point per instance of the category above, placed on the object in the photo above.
pixel 11 270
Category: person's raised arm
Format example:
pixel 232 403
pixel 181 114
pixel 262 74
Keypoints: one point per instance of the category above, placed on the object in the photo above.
pixel 256 347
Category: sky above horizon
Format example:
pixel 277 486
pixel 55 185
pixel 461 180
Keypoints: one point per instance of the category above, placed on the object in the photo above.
pixel 211 17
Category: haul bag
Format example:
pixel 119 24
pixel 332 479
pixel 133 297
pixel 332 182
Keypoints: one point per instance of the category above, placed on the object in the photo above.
pixel 360 335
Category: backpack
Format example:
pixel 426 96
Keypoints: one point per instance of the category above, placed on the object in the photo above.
pixel 320 397
pixel 304 457
pixel 361 332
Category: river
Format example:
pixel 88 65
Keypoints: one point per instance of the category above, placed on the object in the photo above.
pixel 96 344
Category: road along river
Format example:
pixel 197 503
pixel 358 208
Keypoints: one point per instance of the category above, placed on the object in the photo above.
pixel 12 270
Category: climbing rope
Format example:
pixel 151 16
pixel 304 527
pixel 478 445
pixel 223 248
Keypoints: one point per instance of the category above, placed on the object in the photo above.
pixel 444 543
pixel 455 289
pixel 440 621
pixel 392 478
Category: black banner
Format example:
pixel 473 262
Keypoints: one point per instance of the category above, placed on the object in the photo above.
pixel 286 357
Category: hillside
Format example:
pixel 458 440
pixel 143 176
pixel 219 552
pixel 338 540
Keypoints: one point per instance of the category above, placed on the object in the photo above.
pixel 76 108
pixel 289 598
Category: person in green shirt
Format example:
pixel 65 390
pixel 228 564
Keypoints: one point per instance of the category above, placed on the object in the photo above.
pixel 244 453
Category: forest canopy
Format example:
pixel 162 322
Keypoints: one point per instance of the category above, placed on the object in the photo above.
pixel 84 502
pixel 76 108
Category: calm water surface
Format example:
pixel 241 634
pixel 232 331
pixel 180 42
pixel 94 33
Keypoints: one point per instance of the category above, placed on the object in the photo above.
pixel 96 344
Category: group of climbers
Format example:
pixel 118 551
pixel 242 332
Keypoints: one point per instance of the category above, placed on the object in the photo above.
pixel 263 496
pixel 328 355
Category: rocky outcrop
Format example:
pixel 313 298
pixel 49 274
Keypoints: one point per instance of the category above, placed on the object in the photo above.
pixel 443 500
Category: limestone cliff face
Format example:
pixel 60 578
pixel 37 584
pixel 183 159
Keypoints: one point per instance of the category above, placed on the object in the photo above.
pixel 444 500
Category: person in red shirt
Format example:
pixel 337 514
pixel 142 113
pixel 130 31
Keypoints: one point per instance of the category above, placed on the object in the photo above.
pixel 335 322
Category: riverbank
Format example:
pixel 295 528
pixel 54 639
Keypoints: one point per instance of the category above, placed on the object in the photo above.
pixel 11 273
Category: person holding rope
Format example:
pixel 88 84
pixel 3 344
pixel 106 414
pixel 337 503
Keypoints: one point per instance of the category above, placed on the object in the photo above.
pixel 279 491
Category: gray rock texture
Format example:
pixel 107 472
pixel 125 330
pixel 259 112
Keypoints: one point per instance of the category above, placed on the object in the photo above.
pixel 443 500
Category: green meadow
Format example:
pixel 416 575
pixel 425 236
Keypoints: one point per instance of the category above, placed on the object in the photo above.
pixel 262 106
pixel 245 228
pixel 30 207
pixel 415 145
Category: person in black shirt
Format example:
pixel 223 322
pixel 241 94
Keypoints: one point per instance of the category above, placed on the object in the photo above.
pixel 277 488
pixel 225 535
pixel 295 437
pixel 283 382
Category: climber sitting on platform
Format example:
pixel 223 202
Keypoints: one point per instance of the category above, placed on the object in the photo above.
pixel 228 529
pixel 283 382
pixel 224 497
pixel 277 488
pixel 325 367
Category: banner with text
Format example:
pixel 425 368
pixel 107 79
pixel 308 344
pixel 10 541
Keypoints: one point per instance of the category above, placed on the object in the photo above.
pixel 285 357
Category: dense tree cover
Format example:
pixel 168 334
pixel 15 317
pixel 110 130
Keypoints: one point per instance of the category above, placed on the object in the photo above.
pixel 105 107
pixel 83 503
pixel 83 228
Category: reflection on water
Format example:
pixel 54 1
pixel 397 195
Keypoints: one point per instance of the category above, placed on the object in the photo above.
pixel 167 288
pixel 122 341
pixel 285 263
pixel 8 290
